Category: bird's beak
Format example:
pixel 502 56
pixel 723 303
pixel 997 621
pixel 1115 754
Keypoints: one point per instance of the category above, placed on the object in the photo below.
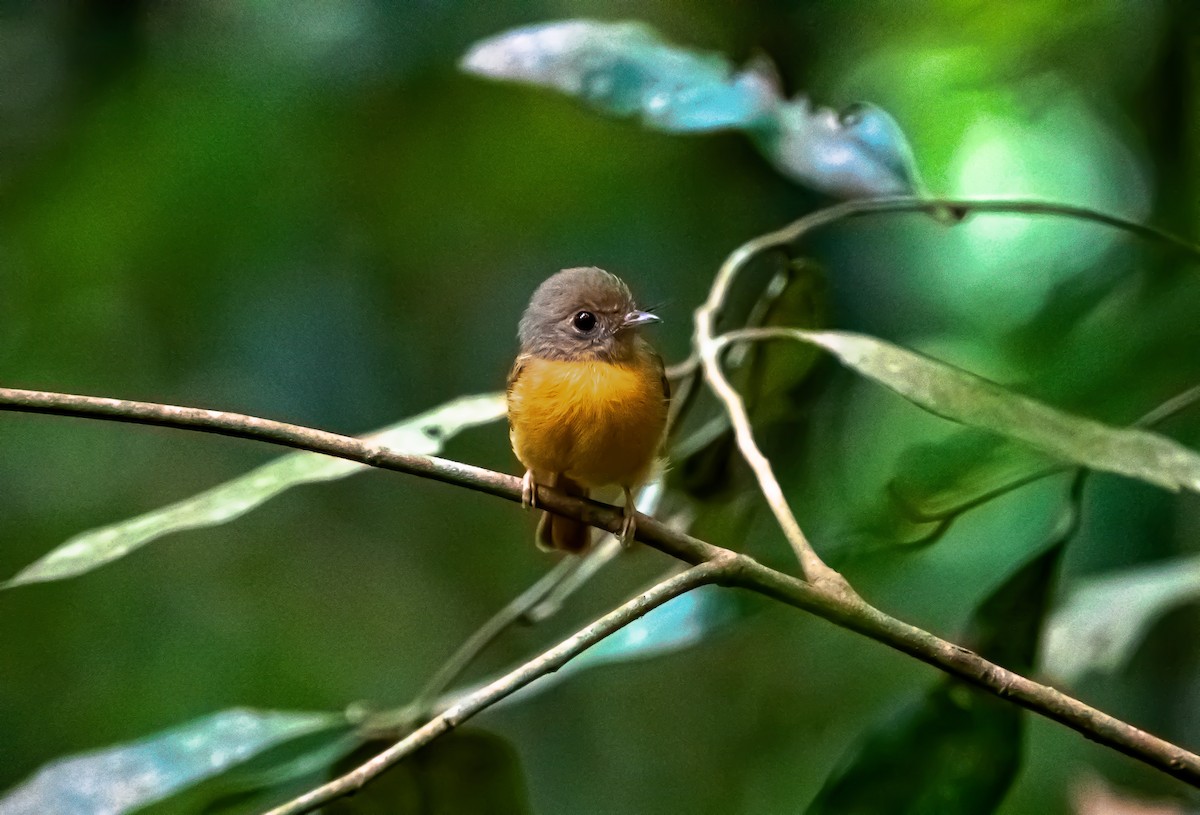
pixel 636 318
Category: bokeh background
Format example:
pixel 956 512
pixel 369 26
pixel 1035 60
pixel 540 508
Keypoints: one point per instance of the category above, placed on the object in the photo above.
pixel 304 211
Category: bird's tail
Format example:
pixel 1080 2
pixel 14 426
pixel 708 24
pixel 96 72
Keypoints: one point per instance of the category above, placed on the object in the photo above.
pixel 564 534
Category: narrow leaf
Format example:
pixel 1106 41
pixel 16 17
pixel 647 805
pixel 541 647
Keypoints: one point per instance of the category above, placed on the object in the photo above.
pixel 626 69
pixel 1105 618
pixel 972 400
pixel 125 777
pixel 673 626
pixel 424 435
pixel 677 624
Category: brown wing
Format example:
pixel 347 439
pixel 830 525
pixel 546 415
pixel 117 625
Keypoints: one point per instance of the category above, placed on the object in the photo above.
pixel 518 366
pixel 662 373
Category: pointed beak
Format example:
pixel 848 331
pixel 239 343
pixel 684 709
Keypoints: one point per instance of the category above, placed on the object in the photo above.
pixel 637 318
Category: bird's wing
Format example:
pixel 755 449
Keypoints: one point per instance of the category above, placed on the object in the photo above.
pixel 662 373
pixel 513 375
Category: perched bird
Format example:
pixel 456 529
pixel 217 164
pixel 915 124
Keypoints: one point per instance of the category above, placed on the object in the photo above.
pixel 587 397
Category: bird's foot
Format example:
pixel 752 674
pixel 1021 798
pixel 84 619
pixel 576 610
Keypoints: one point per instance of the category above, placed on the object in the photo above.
pixel 629 522
pixel 528 491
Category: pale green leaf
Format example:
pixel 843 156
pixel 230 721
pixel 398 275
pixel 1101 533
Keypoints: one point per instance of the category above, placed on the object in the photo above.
pixel 424 434
pixel 972 400
pixel 1105 618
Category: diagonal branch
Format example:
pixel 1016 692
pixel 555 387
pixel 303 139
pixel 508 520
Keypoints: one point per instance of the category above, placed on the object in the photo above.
pixel 713 571
pixel 844 609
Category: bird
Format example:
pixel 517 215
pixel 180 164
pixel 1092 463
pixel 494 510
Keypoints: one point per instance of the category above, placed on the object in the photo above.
pixel 587 398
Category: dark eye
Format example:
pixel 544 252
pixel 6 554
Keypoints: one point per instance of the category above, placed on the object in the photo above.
pixel 584 321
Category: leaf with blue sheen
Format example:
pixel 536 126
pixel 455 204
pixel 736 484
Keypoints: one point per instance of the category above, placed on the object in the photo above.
pixel 125 777
pixel 626 69
pixel 677 624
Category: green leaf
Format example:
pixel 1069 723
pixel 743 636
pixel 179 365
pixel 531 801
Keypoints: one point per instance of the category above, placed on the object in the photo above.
pixel 626 69
pixel 956 750
pixel 424 434
pixel 972 400
pixel 952 752
pixel 1104 619
pixel 465 772
pixel 125 777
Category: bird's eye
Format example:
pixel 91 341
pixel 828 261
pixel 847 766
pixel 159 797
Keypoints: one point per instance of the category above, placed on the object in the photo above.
pixel 584 321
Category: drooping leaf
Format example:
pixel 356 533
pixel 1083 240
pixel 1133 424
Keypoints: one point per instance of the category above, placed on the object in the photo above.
pixel 125 777
pixel 673 626
pixel 951 753
pixel 466 772
pixel 956 751
pixel 858 153
pixel 677 624
pixel 1104 619
pixel 423 434
pixel 626 69
pixel 936 483
pixel 972 400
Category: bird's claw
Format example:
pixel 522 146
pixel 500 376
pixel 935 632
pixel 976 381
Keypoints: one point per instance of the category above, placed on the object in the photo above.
pixel 528 491
pixel 629 522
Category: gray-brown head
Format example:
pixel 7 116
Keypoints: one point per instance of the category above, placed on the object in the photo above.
pixel 584 313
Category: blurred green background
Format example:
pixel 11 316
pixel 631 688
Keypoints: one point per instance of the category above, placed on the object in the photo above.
pixel 303 211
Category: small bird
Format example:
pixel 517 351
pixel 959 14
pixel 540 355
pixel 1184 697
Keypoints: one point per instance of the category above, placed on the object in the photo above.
pixel 587 397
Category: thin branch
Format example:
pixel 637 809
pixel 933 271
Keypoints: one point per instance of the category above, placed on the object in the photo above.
pixel 845 610
pixel 602 516
pixel 709 351
pixel 713 571
pixel 971 668
pixel 486 634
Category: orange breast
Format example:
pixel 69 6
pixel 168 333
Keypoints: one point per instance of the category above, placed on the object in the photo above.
pixel 595 422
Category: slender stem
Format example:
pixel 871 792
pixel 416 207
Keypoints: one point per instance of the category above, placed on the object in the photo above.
pixel 486 634
pixel 502 485
pixel 709 352
pixel 710 572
